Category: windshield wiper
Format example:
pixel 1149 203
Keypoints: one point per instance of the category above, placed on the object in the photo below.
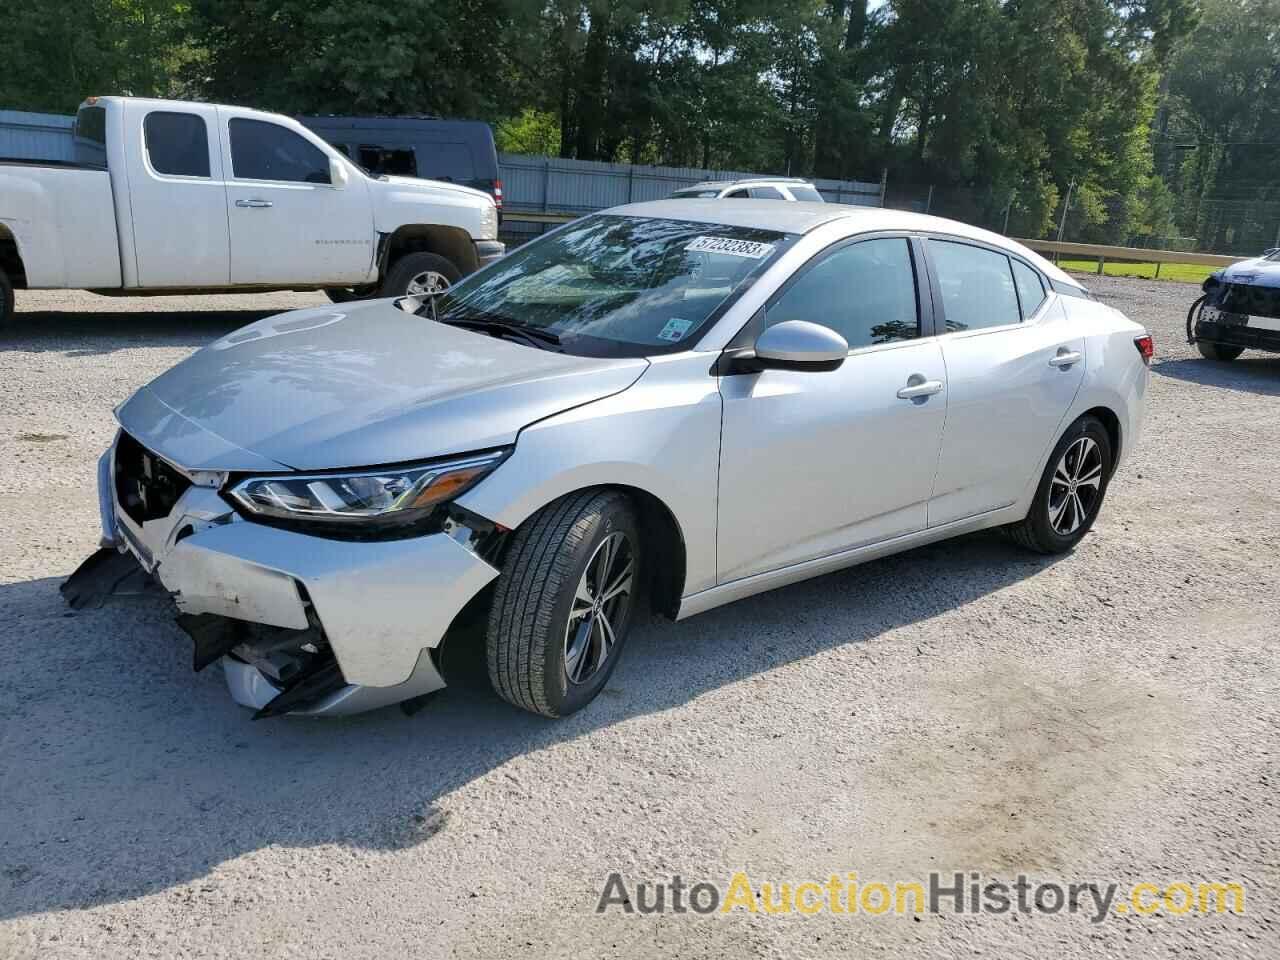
pixel 493 324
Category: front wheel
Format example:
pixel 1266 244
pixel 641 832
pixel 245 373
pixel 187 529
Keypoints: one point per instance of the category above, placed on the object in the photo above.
pixel 562 607
pixel 1070 492
pixel 419 274
pixel 1218 351
pixel 348 294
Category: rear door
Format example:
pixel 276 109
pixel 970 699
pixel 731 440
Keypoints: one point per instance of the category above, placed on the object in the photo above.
pixel 177 194
pixel 1014 365
pixel 289 223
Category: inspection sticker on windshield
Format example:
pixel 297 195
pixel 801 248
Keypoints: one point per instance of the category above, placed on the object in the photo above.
pixel 734 248
pixel 675 329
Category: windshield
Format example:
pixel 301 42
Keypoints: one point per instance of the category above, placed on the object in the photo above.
pixel 611 286
pixel 695 194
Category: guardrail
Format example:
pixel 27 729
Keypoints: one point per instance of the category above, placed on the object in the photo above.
pixel 1103 252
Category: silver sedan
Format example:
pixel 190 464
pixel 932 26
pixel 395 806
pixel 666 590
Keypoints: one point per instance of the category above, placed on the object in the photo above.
pixel 663 406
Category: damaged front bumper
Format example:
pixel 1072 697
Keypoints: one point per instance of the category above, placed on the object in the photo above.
pixel 301 624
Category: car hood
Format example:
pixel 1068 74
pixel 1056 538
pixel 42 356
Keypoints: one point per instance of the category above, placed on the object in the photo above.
pixel 1259 272
pixel 357 385
pixel 437 186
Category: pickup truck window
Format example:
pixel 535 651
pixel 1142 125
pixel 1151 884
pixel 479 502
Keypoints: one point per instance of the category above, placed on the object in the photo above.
pixel 268 151
pixel 177 143
pixel 90 138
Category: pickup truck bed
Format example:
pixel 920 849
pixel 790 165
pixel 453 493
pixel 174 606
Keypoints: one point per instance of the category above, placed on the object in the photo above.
pixel 83 249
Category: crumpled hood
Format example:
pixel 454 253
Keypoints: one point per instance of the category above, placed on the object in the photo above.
pixel 357 385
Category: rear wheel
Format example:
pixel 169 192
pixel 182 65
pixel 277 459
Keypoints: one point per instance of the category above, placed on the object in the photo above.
pixel 563 605
pixel 1218 351
pixel 1070 492
pixel 6 301
pixel 418 274
pixel 347 294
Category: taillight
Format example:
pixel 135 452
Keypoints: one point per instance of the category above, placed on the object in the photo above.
pixel 1146 346
pixel 497 194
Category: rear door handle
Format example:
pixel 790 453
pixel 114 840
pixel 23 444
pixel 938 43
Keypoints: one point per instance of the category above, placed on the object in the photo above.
pixel 256 204
pixel 1065 357
pixel 917 386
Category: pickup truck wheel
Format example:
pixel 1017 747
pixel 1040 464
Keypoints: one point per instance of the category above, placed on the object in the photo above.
pixel 6 301
pixel 1218 351
pixel 563 605
pixel 415 274
pixel 347 294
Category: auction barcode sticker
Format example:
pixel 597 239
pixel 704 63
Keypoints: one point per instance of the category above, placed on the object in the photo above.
pixel 734 248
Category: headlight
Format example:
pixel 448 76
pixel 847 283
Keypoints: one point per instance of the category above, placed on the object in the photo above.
pixel 364 499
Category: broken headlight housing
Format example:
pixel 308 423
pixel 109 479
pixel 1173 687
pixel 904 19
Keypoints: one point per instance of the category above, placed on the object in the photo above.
pixel 373 503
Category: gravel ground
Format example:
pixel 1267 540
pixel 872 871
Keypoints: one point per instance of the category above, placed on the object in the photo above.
pixel 1109 715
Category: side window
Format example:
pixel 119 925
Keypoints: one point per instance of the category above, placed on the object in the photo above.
pixel 804 192
pixel 977 286
pixel 736 195
pixel 1030 289
pixel 450 162
pixel 177 144
pixel 767 193
pixel 89 140
pixel 865 291
pixel 267 151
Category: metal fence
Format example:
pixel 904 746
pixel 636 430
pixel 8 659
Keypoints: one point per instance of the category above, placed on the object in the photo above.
pixel 35 136
pixel 552 185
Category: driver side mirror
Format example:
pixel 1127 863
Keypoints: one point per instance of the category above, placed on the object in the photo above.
pixel 800 345
pixel 338 176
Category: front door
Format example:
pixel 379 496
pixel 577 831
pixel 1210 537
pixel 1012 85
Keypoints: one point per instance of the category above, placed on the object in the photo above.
pixel 289 223
pixel 1014 365
pixel 813 463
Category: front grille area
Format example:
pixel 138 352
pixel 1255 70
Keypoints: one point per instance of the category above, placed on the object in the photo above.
pixel 146 486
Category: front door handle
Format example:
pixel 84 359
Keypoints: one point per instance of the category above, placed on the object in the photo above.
pixel 917 387
pixel 255 204
pixel 1065 357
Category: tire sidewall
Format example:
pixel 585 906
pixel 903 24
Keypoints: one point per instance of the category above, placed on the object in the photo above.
pixel 411 264
pixel 1095 431
pixel 6 301
pixel 565 697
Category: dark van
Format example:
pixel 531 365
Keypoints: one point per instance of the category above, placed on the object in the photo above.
pixel 455 151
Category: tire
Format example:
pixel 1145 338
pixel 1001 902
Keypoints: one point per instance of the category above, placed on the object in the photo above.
pixel 412 266
pixel 529 642
pixel 7 319
pixel 1218 351
pixel 1050 525
pixel 348 294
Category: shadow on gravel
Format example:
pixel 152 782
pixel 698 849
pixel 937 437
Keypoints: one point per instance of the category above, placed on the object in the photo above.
pixel 1252 372
pixel 123 774
pixel 81 333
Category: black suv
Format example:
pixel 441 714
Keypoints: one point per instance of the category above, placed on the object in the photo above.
pixel 455 151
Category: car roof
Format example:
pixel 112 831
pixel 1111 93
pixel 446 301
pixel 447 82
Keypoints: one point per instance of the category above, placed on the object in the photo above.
pixel 804 216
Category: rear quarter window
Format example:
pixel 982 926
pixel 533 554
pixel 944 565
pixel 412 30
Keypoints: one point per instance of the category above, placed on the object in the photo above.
pixel 89 139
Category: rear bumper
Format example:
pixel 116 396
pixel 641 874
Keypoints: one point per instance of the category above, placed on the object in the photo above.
pixel 488 251
pixel 380 606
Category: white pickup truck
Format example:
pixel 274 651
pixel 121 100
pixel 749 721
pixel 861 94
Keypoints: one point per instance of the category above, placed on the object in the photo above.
pixel 174 197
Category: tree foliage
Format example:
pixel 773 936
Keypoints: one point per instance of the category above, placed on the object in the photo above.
pixel 999 105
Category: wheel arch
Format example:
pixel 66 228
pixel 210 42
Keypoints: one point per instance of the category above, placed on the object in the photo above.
pixel 452 243
pixel 11 263
pixel 1111 421
pixel 664 542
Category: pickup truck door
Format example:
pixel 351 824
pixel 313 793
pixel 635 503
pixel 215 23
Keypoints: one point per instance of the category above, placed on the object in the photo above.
pixel 289 223
pixel 177 196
